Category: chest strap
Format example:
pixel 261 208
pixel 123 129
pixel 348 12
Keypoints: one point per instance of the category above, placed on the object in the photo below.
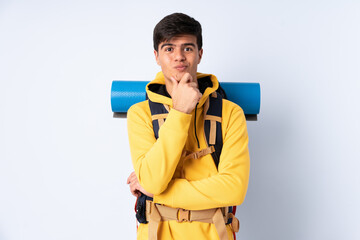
pixel 155 213
pixel 199 154
pixel 187 155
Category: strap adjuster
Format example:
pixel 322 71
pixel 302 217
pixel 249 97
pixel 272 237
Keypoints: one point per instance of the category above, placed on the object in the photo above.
pixel 183 215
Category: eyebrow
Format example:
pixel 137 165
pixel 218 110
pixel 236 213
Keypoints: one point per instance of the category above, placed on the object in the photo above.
pixel 170 44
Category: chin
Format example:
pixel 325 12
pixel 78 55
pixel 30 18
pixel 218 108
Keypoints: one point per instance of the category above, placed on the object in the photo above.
pixel 179 75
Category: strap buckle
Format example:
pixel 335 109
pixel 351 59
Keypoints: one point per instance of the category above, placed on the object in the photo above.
pixel 183 215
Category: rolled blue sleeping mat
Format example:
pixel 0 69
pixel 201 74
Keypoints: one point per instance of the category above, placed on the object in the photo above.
pixel 126 93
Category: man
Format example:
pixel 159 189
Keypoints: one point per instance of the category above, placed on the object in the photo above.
pixel 174 160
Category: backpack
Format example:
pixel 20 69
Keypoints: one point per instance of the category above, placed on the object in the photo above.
pixel 213 134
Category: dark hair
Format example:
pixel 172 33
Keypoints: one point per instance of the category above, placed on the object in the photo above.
pixel 176 24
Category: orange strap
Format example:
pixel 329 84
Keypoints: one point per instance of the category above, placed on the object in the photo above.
pixel 219 223
pixel 154 221
pixel 199 154
pixel 195 155
pixel 235 223
pixel 217 216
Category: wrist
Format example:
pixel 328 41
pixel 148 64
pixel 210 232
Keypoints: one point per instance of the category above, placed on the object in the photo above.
pixel 181 110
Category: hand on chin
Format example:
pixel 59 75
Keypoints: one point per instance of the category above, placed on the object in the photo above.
pixel 178 75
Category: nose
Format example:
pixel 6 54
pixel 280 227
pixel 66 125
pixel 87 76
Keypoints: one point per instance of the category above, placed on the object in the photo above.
pixel 179 55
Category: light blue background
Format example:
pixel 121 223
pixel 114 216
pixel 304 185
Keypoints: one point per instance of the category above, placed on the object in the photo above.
pixel 64 160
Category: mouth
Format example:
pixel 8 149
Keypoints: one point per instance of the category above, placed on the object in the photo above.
pixel 180 68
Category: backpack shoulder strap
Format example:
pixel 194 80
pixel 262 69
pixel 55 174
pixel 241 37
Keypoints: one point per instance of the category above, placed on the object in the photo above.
pixel 212 125
pixel 159 114
pixel 212 122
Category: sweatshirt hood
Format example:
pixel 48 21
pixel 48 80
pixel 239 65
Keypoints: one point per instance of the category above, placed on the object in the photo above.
pixel 156 90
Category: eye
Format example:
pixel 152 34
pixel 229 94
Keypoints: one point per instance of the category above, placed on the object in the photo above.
pixel 168 49
pixel 188 49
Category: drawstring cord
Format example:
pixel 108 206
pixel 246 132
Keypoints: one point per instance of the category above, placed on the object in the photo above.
pixel 195 127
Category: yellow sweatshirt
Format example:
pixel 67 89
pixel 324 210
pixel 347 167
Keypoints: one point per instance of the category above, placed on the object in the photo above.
pixel 158 165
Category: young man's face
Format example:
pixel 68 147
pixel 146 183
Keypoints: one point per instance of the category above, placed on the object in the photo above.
pixel 178 56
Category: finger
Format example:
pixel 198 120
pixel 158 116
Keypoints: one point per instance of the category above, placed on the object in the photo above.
pixel 132 191
pixel 186 78
pixel 134 188
pixel 130 177
pixel 174 80
pixel 133 180
pixel 135 193
pixel 193 84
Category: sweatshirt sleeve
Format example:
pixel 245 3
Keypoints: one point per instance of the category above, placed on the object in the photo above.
pixel 226 188
pixel 154 160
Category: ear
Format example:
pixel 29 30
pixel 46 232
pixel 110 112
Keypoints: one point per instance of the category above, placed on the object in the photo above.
pixel 157 57
pixel 200 55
